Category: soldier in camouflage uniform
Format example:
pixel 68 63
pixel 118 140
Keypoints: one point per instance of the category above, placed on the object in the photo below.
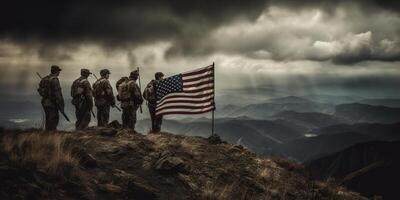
pixel 82 99
pixel 149 94
pixel 103 97
pixel 52 98
pixel 130 101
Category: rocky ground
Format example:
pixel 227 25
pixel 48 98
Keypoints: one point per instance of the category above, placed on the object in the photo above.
pixel 107 163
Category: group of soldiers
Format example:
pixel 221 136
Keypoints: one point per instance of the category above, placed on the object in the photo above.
pixel 101 93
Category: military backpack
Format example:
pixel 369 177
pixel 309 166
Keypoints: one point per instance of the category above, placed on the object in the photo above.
pixel 149 92
pixel 123 91
pixel 77 88
pixel 98 88
pixel 44 87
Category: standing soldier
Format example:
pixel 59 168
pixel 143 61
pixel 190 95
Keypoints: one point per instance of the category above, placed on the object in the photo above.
pixel 82 99
pixel 103 97
pixel 149 94
pixel 131 98
pixel 52 98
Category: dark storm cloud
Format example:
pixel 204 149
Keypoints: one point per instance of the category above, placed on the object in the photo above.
pixel 118 23
pixel 58 26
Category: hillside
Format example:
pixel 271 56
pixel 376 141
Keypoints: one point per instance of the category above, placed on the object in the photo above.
pixel 257 135
pixel 358 113
pixel 120 164
pixel 363 167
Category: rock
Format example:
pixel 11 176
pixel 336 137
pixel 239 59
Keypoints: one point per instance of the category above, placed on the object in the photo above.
pixel 110 132
pixel 139 190
pixel 274 193
pixel 114 124
pixel 108 187
pixel 188 181
pixel 170 165
pixel 215 139
pixel 86 159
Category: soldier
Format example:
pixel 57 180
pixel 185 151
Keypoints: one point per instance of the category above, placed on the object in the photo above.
pixel 131 98
pixel 52 98
pixel 82 99
pixel 103 97
pixel 149 94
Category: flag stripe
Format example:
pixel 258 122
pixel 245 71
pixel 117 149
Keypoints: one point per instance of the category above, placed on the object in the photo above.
pixel 193 83
pixel 206 73
pixel 196 78
pixel 198 71
pixel 186 111
pixel 187 100
pixel 181 94
pixel 198 88
pixel 186 104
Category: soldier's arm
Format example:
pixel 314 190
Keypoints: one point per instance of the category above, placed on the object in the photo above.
pixel 88 93
pixel 88 90
pixel 137 93
pixel 109 92
pixel 58 96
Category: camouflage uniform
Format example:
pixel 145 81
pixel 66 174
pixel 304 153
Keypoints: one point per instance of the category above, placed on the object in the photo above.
pixel 131 105
pixel 156 121
pixel 104 100
pixel 53 101
pixel 83 102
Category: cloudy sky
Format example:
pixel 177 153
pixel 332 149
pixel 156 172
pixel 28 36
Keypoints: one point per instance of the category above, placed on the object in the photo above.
pixel 348 47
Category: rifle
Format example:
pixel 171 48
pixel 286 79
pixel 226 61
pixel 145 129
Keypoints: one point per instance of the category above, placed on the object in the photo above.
pixel 140 90
pixel 58 106
pixel 94 116
pixel 114 106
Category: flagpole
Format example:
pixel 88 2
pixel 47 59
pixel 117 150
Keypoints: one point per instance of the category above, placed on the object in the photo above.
pixel 212 126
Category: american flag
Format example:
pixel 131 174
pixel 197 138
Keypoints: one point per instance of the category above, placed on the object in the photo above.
pixel 187 93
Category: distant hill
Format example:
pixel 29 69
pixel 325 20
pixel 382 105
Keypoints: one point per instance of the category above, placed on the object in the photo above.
pixel 274 106
pixel 370 168
pixel 358 113
pixel 333 99
pixel 289 99
pixel 309 148
pixel 394 103
pixel 309 119
pixel 387 132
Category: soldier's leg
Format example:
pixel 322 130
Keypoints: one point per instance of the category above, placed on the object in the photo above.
pixel 86 119
pixel 56 118
pixel 103 115
pixel 99 117
pixel 106 115
pixel 51 118
pixel 158 123
pixel 78 115
pixel 152 112
pixel 133 114
pixel 126 117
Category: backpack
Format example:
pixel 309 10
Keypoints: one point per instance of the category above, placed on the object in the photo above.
pixel 149 92
pixel 77 88
pixel 98 90
pixel 44 87
pixel 123 91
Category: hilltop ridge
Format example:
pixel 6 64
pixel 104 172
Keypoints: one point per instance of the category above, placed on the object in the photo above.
pixel 107 163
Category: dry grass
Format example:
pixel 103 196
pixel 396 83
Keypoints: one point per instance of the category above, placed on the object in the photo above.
pixel 214 192
pixel 47 152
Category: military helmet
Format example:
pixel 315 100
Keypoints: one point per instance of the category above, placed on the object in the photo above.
pixel 104 72
pixel 158 75
pixel 85 72
pixel 55 69
pixel 134 73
